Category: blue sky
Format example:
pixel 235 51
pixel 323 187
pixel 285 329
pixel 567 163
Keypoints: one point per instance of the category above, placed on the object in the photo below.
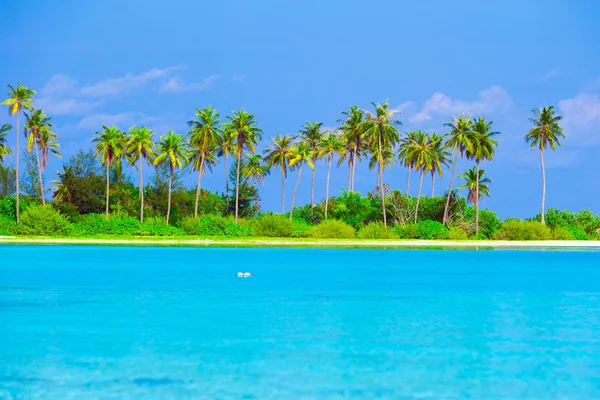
pixel 153 62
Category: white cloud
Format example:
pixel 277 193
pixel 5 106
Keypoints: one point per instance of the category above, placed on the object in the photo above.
pixel 239 77
pixel 59 84
pixel 68 106
pixel 115 86
pixel 581 118
pixel 123 120
pixel 553 73
pixel 176 85
pixel 491 100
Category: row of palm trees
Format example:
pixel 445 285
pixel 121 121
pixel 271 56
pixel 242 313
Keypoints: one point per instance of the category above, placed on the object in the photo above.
pixel 362 134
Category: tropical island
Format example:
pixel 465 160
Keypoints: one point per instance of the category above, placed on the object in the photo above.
pixel 94 198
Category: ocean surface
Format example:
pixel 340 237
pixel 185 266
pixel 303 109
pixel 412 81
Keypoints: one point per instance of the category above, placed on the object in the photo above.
pixel 85 322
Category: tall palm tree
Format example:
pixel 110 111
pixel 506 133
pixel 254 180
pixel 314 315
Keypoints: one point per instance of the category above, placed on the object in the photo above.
pixel 312 134
pixel 546 132
pixel 404 150
pixel 224 149
pixel 484 147
pixel 421 153
pixel 246 135
pixel 301 154
pixel 204 136
pixel 382 133
pixel 109 147
pixel 254 167
pixel 278 155
pixel 353 132
pixel 329 145
pixel 173 150
pixel 4 149
pixel 19 99
pixel 459 141
pixel 440 158
pixel 140 148
pixel 476 183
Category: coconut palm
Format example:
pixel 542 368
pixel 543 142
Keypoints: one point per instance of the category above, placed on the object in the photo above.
pixel 246 135
pixel 404 150
pixel 140 148
pixel 440 159
pixel 278 155
pixel 546 132
pixel 110 143
pixel 476 183
pixel 19 99
pixel 459 141
pixel 4 149
pixel 382 133
pixel 353 133
pixel 173 150
pixel 312 134
pixel 421 154
pixel 204 136
pixel 328 146
pixel 254 167
pixel 301 154
pixel 224 149
pixel 484 147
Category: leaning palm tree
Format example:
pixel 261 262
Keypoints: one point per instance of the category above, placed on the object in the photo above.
pixel 173 150
pixel 421 153
pixel 278 155
pixel 246 135
pixel 382 133
pixel 19 99
pixel 109 147
pixel 204 136
pixel 225 147
pixel 329 145
pixel 301 154
pixel 476 183
pixel 459 141
pixel 140 148
pixel 483 149
pixel 546 132
pixel 254 167
pixel 4 149
pixel 404 150
pixel 440 159
pixel 353 132
pixel 312 134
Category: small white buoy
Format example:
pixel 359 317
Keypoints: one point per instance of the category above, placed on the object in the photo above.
pixel 240 274
pixel 247 274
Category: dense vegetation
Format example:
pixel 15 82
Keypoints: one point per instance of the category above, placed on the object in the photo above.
pixel 93 195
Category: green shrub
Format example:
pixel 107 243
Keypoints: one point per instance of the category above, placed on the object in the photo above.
pixel 408 231
pixel 43 221
pixel 273 225
pixel 8 206
pixel 157 226
pixel 117 224
pixel 489 222
pixel 8 226
pixel 375 230
pixel 561 233
pixel 577 232
pixel 455 233
pixel 331 229
pixel 431 230
pixel 301 228
pixel 214 225
pixel 515 229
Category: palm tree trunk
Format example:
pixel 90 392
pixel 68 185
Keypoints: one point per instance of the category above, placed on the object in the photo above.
pixel 282 192
pixel 408 181
pixel 419 197
pixel 354 165
pixel 169 198
pixel 141 191
pixel 17 156
pixel 543 185
pixel 37 156
pixel 237 185
pixel 226 177
pixel 312 185
pixel 198 186
pixel 327 185
pixel 381 180
pixel 350 176
pixel 107 185
pixel 477 201
pixel 445 219
pixel 294 194
pixel 432 184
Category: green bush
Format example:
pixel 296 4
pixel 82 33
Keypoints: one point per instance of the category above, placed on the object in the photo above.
pixel 514 229
pixel 43 221
pixel 455 233
pixel 431 230
pixel 331 229
pixel 273 225
pixel 117 224
pixel 408 231
pixel 157 226
pixel 8 226
pixel 375 230
pixel 561 233
pixel 301 228
pixel 8 206
pixel 214 225
pixel 489 222
pixel 577 232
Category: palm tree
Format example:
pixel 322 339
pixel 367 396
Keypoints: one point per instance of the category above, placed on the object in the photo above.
pixel 440 158
pixel 109 147
pixel 483 149
pixel 546 132
pixel 204 136
pixel 406 144
pixel 301 153
pixel 19 99
pixel 329 145
pixel 312 134
pixel 171 149
pixel 226 147
pixel 459 141
pixel 421 154
pixel 476 183
pixel 382 132
pixel 140 148
pixel 279 154
pixel 37 124
pixel 254 167
pixel 353 133
pixel 4 149
pixel 246 135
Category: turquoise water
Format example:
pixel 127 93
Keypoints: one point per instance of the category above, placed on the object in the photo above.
pixel 176 323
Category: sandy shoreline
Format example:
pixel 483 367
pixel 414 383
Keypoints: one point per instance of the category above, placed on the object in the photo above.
pixel 309 243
